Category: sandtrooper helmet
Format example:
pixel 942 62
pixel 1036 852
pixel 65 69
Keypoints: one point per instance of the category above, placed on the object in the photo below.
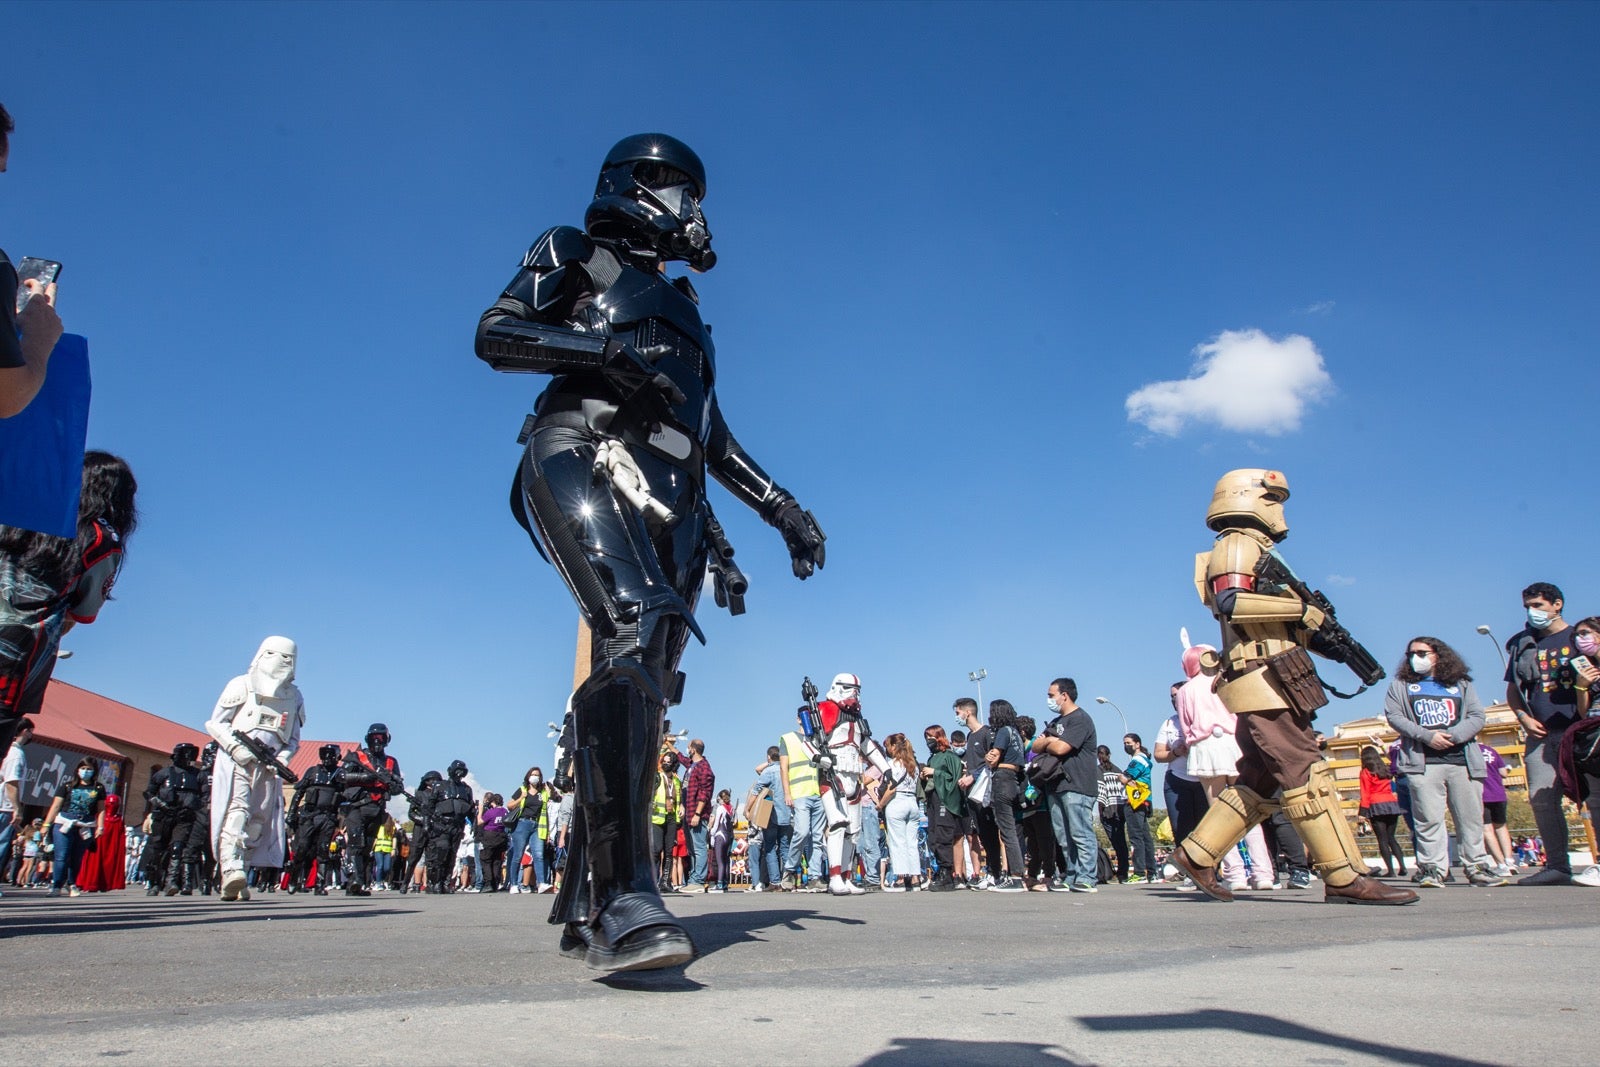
pixel 1250 497
pixel 845 690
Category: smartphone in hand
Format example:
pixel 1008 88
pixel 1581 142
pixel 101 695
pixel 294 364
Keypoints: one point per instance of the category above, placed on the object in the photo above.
pixel 43 271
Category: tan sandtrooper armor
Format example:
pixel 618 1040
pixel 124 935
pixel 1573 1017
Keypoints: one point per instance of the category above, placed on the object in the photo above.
pixel 1247 513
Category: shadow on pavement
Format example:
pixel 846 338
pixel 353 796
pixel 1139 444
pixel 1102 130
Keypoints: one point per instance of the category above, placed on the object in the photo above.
pixel 716 931
pixel 924 1051
pixel 1259 1025
pixel 127 916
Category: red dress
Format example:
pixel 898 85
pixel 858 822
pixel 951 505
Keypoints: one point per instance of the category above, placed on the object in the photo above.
pixel 105 866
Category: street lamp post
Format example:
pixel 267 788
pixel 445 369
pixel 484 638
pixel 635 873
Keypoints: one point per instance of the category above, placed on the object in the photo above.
pixel 978 676
pixel 1124 718
pixel 1484 630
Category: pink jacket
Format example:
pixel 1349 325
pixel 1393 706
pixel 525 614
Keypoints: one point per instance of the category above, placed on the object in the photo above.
pixel 1200 709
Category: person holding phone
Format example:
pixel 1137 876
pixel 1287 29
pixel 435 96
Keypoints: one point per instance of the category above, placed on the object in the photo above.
pixel 28 336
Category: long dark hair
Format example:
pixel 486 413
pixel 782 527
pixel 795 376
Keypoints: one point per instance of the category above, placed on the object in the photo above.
pixel 1373 763
pixel 1001 713
pixel 106 499
pixel 1448 668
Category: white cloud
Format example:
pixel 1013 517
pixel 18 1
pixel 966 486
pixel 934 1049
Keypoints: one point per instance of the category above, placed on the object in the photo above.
pixel 1242 380
pixel 1340 579
pixel 1320 307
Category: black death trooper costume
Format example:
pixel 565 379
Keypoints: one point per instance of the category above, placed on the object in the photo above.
pixel 175 799
pixel 612 489
pixel 450 811
pixel 314 819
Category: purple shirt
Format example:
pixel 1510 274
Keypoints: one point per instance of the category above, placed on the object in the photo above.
pixel 1494 786
pixel 494 820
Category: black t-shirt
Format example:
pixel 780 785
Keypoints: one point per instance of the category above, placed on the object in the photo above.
pixel 1080 769
pixel 1009 742
pixel 979 742
pixel 1542 669
pixel 10 349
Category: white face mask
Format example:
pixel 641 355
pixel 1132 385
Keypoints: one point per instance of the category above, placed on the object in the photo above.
pixel 1050 702
pixel 1421 664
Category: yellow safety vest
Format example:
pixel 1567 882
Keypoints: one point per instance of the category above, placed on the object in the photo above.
pixel 383 840
pixel 666 799
pixel 802 772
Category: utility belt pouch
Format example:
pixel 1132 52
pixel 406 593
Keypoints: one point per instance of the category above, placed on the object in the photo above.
pixel 1296 675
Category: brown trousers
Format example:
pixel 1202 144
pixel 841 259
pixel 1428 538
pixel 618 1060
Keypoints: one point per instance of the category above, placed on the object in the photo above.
pixel 1279 749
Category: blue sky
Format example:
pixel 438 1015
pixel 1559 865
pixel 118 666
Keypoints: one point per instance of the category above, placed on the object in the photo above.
pixel 954 241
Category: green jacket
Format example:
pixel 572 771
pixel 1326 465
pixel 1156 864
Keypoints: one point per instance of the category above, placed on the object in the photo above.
pixel 947 772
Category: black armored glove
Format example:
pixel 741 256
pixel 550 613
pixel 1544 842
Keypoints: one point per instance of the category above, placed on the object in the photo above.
pixel 803 537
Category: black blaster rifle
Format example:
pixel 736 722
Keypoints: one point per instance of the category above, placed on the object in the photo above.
pixel 728 583
pixel 816 734
pixel 1331 639
pixel 266 756
pixel 392 783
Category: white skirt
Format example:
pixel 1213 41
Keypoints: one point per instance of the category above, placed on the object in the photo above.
pixel 1214 757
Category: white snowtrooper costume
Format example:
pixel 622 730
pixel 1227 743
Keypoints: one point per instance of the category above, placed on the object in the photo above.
pixel 246 800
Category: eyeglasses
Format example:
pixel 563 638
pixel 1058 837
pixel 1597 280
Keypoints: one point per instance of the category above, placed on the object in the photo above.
pixel 1420 652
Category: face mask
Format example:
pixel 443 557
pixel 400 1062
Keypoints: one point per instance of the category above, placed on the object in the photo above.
pixel 85 775
pixel 960 750
pixel 1052 705
pixel 1128 749
pixel 1421 664
pixel 534 779
pixel 1588 644
pixel 1539 620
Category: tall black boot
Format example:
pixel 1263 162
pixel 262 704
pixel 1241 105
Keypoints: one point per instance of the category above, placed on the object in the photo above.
pixel 191 878
pixel 618 730
pixel 174 879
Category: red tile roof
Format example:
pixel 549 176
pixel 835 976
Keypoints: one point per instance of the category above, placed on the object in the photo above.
pixel 305 757
pixel 112 720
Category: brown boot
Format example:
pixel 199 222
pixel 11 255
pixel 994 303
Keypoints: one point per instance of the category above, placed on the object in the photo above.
pixel 1365 890
pixel 1205 878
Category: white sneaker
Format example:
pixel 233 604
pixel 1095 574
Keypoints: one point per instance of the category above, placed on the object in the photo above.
pixel 1239 885
pixel 896 888
pixel 986 882
pixel 841 888
pixel 1590 877
pixel 74 891
pixel 545 887
pixel 1266 884
pixel 233 882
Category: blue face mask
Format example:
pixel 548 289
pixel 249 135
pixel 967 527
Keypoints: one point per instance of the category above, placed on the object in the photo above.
pixel 1051 704
pixel 960 750
pixel 1539 620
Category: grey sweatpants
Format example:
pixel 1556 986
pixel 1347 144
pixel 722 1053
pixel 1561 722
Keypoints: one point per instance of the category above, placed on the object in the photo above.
pixel 1442 785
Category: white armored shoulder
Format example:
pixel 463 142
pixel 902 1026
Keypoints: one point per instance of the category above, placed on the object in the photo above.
pixel 235 693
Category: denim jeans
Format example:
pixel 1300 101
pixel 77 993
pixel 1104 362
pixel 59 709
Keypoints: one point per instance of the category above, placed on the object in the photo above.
pixel 870 843
pixel 1072 819
pixel 774 853
pixel 69 854
pixel 525 837
pixel 382 864
pixel 8 827
pixel 699 852
pixel 806 840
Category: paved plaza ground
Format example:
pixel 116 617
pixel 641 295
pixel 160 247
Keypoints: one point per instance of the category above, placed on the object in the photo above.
pixel 1131 975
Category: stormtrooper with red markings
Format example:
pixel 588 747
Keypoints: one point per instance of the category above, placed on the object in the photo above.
pixel 844 747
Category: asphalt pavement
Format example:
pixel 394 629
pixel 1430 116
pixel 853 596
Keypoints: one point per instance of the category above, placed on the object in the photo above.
pixel 1130 975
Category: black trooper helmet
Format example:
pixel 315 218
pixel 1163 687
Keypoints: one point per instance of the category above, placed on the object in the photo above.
pixel 458 770
pixel 184 753
pixel 208 755
pixel 648 200
pixel 328 754
pixel 432 776
pixel 377 735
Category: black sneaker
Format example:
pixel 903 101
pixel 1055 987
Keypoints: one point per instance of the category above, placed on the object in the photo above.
pixel 1008 884
pixel 1548 876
